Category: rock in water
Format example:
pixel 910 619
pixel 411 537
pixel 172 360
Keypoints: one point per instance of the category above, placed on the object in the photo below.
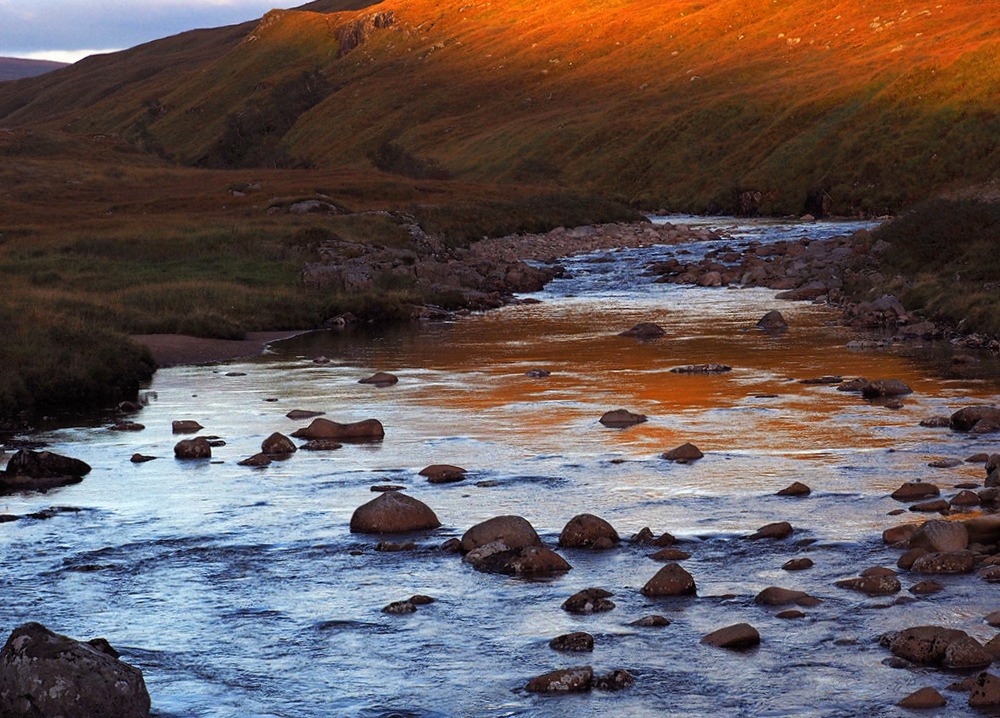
pixel 564 681
pixel 923 699
pixel 45 464
pixel 621 418
pixel 186 426
pixel 367 430
pixel 671 580
pixel 44 674
pixel 393 512
pixel 514 531
pixel 683 454
pixel 579 642
pixel 380 379
pixel 742 635
pixel 278 444
pixel 773 321
pixel 588 531
pixel 443 473
pixel 644 330
pixel 198 448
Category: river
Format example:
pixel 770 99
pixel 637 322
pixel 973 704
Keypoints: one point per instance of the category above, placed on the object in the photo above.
pixel 241 592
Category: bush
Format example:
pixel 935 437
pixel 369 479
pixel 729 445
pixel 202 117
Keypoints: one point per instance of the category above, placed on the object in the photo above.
pixel 392 158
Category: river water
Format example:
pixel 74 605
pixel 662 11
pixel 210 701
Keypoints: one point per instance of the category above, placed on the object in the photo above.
pixel 241 592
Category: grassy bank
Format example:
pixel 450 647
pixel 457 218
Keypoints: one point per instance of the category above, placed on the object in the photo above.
pixel 135 247
pixel 941 258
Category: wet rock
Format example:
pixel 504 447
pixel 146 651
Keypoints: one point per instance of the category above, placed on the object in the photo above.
pixel 938 536
pixel 256 460
pixel 702 369
pixel 651 621
pixel 775 596
pixel 790 614
pixel 936 506
pixel 380 379
pixel 197 448
pixel 514 531
pixel 984 427
pixel 452 545
pixel 578 642
pixel 390 547
pixel 914 491
pixel 926 587
pixel 538 373
pixel 872 585
pixel 985 691
pixel 936 422
pixel 497 557
pixel 443 473
pixel 923 699
pixel 966 498
pixel 670 554
pixel 366 430
pixel 400 607
pixel 741 635
pixel 617 680
pixel 898 535
pixel 141 458
pixel 923 645
pixel 822 380
pixel 278 445
pixel 671 580
pixel 321 445
pixel 128 426
pixel 966 418
pixel 588 531
pixel 644 330
pixel 44 464
pixel 45 674
pixel 773 321
pixel 947 562
pixel 621 418
pixel 566 680
pixel 421 600
pixel 590 600
pixel 683 454
pixel 381 488
pixel 853 385
pixel 945 463
pixel 778 530
pixel 907 560
pixel 795 489
pixel 966 652
pixel 301 414
pixel 393 512
pixel 645 536
pixel 186 426
pixel 798 564
pixel 884 388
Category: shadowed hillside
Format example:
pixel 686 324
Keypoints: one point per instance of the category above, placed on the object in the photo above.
pixel 16 68
pixel 760 106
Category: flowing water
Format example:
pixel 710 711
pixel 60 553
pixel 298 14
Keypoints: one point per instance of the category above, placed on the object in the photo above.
pixel 241 592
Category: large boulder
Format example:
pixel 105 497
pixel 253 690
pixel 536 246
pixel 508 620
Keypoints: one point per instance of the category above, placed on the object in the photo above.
pixel 588 531
pixel 278 444
pixel 621 418
pixel 197 448
pixel 393 512
pixel 937 646
pixel 671 580
pixel 497 557
pixel 40 470
pixel 44 674
pixel 966 418
pixel 937 536
pixel 366 430
pixel 514 531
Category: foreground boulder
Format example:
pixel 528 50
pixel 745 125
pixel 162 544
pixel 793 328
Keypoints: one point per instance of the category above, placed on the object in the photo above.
pixel 514 531
pixel 366 430
pixel 393 512
pixel 588 531
pixel 40 471
pixel 198 448
pixel 621 418
pixel 938 536
pixel 966 418
pixel 44 674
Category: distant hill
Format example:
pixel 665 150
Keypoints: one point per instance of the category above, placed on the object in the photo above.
pixel 730 105
pixel 15 68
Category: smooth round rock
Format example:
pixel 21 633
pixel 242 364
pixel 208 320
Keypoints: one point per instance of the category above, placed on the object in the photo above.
pixel 393 512
pixel 738 636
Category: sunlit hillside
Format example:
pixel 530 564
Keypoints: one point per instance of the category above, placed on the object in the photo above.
pixel 772 106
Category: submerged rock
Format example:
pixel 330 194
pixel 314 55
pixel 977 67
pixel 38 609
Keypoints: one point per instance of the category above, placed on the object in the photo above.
pixel 617 680
pixel 302 414
pixel 644 330
pixel 44 674
pixel 885 388
pixel 360 431
pixel 393 512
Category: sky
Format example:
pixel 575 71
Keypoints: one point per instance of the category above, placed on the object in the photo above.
pixel 68 30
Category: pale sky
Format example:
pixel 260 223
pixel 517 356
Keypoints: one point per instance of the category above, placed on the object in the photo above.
pixel 67 30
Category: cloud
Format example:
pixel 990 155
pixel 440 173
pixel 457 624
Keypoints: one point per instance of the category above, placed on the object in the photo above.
pixel 33 26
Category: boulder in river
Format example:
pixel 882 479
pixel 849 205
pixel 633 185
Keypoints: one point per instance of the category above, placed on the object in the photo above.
pixel 257 460
pixel 497 557
pixel 777 530
pixel 937 536
pixel 40 471
pixel 579 642
pixel 589 600
pixel 186 426
pixel 683 454
pixel 776 596
pixel 966 418
pixel 644 330
pixel 278 444
pixel 393 512
pixel 566 680
pixel 671 580
pixel 985 691
pixel 443 473
pixel 923 699
pixel 884 388
pixel 380 379
pixel 796 488
pixel 983 529
pixel 45 674
pixel 359 431
pixel 772 322
pixel 621 418
pixel 322 445
pixel 872 585
pixel 302 414
pixel 736 637
pixel 514 531
pixel 197 448
pixel 588 531
pixel 945 562
pixel 915 490
pixel 938 646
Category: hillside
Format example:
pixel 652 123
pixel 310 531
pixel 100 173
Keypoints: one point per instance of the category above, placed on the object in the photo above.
pixel 17 68
pixel 762 106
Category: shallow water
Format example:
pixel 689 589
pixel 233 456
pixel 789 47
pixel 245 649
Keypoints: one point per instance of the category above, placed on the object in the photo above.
pixel 241 592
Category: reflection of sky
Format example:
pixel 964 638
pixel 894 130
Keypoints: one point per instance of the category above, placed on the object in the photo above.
pixel 66 30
